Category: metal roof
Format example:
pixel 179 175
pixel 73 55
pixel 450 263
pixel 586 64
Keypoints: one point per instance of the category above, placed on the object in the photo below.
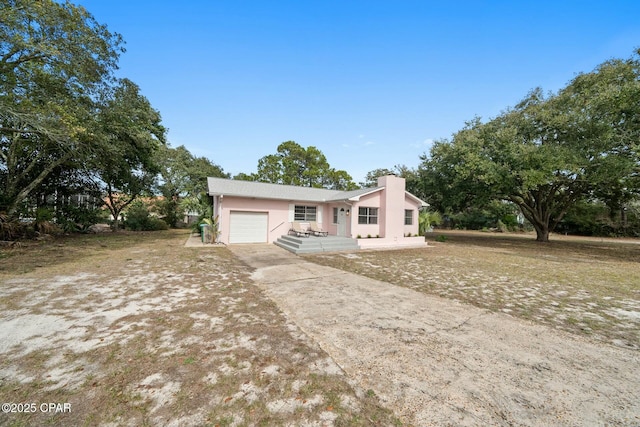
pixel 263 190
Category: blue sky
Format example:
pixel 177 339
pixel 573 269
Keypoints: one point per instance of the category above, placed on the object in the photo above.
pixel 370 83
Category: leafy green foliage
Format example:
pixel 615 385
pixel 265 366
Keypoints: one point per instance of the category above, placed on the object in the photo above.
pixel 371 178
pixel 182 175
pixel 49 80
pixel 296 165
pixel 413 181
pixel 427 220
pixel 75 218
pixel 128 133
pixel 212 229
pixel 66 123
pixel 547 152
pixel 139 219
pixel 595 218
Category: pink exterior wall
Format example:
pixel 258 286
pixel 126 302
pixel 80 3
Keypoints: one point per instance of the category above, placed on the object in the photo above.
pixel 392 226
pixel 279 214
pixel 410 204
pixel 373 200
pixel 327 219
pixel 391 202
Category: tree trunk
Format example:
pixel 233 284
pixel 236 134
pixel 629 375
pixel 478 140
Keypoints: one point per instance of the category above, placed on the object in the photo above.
pixel 542 232
pixel 115 225
pixel 17 199
pixel 537 214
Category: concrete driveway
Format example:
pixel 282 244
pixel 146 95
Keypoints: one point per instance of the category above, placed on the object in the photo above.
pixel 437 362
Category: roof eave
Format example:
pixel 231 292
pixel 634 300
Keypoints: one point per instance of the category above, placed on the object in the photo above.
pixel 417 199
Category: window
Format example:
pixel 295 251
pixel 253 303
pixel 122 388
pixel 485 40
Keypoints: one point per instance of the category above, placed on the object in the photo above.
pixel 367 215
pixel 335 215
pixel 408 217
pixel 304 213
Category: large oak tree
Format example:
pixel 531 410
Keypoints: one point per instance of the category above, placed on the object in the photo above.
pixel 54 59
pixel 125 139
pixel 548 152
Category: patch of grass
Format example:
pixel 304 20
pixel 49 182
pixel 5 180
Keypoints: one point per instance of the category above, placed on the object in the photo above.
pixel 68 249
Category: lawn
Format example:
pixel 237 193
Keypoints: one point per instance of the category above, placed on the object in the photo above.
pixel 587 286
pixel 136 329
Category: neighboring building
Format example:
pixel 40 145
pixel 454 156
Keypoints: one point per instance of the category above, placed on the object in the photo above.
pixel 255 212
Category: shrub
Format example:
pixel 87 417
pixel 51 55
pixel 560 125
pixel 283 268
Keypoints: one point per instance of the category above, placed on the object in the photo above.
pixel 596 219
pixel 43 223
pixel 73 218
pixel 441 238
pixel 139 219
pixel 510 221
pixel 9 227
pixel 426 221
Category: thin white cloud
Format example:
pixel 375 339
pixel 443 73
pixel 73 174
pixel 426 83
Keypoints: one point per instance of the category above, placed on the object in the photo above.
pixel 427 143
pixel 366 144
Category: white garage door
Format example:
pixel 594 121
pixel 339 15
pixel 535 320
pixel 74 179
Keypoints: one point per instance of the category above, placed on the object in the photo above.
pixel 248 227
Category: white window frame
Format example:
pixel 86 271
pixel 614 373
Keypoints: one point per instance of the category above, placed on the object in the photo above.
pixel 367 215
pixel 305 213
pixel 408 215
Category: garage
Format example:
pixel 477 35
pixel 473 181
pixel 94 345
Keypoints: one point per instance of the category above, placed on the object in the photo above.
pixel 248 227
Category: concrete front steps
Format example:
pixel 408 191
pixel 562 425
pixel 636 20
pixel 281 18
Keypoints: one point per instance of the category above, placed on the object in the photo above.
pixel 313 244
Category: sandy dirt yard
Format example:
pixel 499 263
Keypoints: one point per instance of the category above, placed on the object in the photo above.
pixel 137 330
pixel 439 362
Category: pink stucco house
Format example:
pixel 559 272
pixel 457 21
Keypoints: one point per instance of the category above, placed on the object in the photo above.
pixel 256 212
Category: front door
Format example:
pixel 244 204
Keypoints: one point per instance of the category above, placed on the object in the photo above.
pixel 342 221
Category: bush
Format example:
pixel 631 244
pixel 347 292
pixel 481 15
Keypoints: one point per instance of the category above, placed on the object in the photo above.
pixel 472 219
pixel 510 221
pixel 171 211
pixel 596 219
pixel 10 228
pixel 43 223
pixel 426 221
pixel 73 218
pixel 486 216
pixel 139 219
pixel 587 219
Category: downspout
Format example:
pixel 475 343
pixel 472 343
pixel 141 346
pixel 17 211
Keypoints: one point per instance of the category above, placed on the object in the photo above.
pixel 219 215
pixel 350 218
